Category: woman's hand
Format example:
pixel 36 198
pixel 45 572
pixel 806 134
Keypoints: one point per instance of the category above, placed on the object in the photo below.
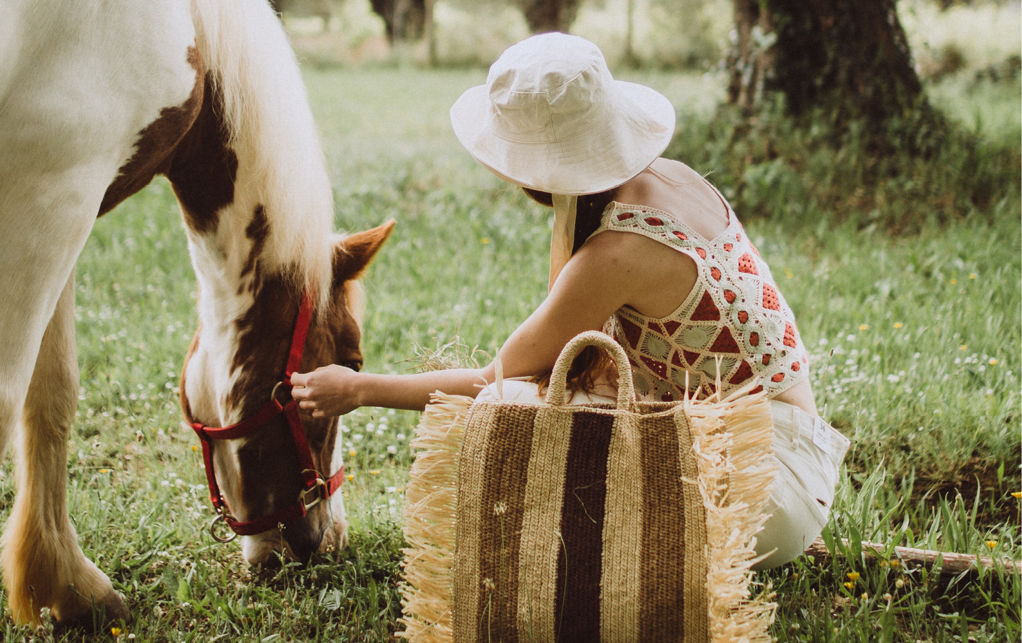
pixel 327 391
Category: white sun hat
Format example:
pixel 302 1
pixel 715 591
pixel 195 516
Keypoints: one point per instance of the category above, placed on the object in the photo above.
pixel 552 118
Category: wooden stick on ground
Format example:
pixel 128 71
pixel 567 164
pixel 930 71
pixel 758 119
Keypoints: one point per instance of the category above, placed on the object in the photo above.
pixel 952 562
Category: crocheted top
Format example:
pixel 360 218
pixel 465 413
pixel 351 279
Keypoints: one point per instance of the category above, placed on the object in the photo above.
pixel 734 316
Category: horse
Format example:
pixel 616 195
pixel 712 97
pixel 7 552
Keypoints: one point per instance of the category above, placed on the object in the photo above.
pixel 96 99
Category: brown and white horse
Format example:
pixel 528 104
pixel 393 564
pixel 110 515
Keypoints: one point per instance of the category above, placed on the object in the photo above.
pixel 96 98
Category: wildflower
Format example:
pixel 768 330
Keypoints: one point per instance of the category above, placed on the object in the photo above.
pixel 1016 494
pixel 963 347
pixel 115 631
pixel 991 544
pixel 887 597
pixel 489 584
pixel 350 477
pixel 849 585
pixel 972 275
pixel 374 472
pixel 392 449
pixel 954 281
pixel 106 470
pixel 195 448
pixel 864 596
pixel 853 576
pixel 500 508
pixel 895 562
pixel 351 453
pixel 993 361
pixel 898 324
pixel 484 241
pixel 863 326
pixel 788 274
pixel 882 564
pixel 899 583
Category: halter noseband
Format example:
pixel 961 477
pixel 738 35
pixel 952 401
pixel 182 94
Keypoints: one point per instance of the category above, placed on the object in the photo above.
pixel 315 487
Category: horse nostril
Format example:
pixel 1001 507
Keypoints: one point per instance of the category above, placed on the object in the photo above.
pixel 303 540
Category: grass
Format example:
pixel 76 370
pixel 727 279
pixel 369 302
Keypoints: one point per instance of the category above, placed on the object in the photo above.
pixel 914 339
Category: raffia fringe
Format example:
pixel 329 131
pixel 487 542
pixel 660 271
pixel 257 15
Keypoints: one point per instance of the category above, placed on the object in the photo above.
pixel 731 440
pixel 429 520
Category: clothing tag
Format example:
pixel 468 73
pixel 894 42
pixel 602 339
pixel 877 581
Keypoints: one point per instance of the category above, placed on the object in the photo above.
pixel 829 440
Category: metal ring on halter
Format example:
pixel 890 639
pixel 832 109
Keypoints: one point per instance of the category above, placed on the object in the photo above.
pixel 213 529
pixel 276 387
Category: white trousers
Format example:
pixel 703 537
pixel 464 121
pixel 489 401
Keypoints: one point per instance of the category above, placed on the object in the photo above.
pixel 808 452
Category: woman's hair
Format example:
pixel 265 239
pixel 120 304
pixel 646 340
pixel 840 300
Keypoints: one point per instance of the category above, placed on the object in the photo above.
pixel 591 361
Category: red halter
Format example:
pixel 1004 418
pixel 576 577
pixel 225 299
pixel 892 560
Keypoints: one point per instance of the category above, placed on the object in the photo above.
pixel 315 487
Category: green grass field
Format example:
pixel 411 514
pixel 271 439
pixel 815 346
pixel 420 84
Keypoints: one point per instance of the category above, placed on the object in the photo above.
pixel 915 341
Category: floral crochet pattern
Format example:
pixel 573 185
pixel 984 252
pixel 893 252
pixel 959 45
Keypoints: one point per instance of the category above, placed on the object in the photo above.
pixel 733 327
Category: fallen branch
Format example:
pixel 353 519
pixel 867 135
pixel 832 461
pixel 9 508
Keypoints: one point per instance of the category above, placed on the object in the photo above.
pixel 950 562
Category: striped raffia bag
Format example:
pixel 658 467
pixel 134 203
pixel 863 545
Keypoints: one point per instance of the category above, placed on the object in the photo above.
pixel 556 522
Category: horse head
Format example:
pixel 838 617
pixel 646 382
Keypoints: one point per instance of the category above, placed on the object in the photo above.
pixel 272 473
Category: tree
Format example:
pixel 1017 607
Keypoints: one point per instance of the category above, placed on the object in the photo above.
pixel 848 57
pixel 403 20
pixel 549 15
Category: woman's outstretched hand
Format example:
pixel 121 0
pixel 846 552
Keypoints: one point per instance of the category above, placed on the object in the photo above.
pixel 327 391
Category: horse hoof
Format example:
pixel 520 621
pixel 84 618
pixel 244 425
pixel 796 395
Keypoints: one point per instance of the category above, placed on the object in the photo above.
pixel 96 616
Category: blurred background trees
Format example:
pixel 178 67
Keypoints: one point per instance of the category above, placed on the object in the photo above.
pixel 850 105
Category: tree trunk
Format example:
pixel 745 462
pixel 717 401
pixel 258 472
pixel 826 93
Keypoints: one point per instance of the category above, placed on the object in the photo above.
pixel 403 20
pixel 549 15
pixel 849 57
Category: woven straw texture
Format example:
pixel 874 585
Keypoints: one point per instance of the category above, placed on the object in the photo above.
pixel 552 522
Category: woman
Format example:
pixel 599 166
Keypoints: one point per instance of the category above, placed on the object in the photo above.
pixel 644 248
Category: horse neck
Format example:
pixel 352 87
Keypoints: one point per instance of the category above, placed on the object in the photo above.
pixel 252 181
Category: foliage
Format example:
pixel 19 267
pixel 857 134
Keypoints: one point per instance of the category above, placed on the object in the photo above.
pixel 920 168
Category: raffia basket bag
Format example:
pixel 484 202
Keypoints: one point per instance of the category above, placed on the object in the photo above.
pixel 558 522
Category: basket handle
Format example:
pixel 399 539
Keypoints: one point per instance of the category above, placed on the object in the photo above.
pixel 559 377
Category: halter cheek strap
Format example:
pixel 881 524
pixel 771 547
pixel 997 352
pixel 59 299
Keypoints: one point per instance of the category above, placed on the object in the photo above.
pixel 315 487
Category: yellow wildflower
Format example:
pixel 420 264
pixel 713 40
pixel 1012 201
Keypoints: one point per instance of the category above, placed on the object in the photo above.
pixel 954 281
pixel 106 470
pixel 853 576
pixel 374 472
pixel 864 596
pixel 972 275
pixel 350 476
pixel 991 544
pixel 898 324
pixel 863 326
pixel 484 240
pixel 849 585
pixel 1016 494
pixel 351 453
pixel 963 347
pixel 993 361
pixel 895 562
pixel 116 631
pixel 195 448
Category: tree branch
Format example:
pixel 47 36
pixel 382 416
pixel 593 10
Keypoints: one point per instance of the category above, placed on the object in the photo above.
pixel 950 562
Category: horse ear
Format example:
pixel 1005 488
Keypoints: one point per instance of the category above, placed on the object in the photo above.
pixel 353 253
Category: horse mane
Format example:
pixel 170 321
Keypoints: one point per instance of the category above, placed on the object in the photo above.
pixel 271 128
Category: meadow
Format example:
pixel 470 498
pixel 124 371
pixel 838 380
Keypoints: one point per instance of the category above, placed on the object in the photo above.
pixel 914 338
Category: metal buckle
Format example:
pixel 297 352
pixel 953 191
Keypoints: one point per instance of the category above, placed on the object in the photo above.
pixel 214 531
pixel 319 488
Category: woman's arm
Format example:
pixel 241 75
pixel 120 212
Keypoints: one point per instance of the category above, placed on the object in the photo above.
pixel 600 278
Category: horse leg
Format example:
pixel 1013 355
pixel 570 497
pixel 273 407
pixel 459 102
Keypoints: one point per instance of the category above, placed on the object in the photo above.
pixel 42 562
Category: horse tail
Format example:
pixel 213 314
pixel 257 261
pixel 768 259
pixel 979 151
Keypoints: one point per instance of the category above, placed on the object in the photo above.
pixel 254 73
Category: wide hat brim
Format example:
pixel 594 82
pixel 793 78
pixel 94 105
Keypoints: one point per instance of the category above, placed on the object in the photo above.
pixel 638 125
